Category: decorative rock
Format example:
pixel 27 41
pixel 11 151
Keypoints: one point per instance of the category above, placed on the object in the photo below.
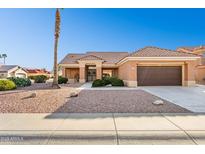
pixel 109 85
pixel 158 102
pixel 74 94
pixel 33 95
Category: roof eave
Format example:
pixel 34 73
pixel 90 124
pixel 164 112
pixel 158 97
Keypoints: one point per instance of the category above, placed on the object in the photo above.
pixel 157 59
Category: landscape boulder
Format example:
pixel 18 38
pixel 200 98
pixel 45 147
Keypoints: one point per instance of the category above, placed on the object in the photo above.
pixel 32 95
pixel 73 94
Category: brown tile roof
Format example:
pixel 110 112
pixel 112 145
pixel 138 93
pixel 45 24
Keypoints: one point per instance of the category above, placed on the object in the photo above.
pixel 108 57
pixel 114 57
pixel 90 57
pixel 71 58
pixel 159 52
pixel 196 50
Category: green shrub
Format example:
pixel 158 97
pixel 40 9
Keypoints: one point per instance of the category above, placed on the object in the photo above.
pixel 40 78
pixel 116 82
pixel 98 83
pixel 62 80
pixel 106 80
pixel 20 82
pixel 7 85
pixel 34 76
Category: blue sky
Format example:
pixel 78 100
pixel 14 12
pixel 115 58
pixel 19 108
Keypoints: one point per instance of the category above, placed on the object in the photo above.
pixel 26 35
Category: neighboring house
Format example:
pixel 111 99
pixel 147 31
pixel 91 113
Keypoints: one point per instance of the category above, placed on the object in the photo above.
pixel 149 66
pixel 200 68
pixel 196 50
pixel 12 71
pixel 35 72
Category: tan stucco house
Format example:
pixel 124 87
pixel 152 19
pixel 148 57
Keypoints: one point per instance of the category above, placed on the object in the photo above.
pixel 149 66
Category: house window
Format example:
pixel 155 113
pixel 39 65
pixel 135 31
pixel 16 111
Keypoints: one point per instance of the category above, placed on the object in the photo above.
pixel 109 72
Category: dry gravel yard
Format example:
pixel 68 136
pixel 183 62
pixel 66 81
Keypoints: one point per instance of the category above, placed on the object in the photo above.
pixel 121 101
pixel 88 101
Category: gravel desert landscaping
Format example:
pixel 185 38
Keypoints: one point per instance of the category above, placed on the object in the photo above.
pixel 88 101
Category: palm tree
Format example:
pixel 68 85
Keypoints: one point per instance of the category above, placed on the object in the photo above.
pixel 3 56
pixel 57 33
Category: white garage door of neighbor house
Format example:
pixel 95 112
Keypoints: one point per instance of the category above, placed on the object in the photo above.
pixel 20 75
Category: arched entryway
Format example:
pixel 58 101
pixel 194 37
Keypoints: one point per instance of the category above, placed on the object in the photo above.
pixel 90 73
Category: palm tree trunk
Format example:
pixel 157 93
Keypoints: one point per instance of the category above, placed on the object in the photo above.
pixel 55 68
pixel 57 33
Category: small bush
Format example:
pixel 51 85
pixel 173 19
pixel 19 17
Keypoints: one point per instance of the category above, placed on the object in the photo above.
pixel 62 80
pixel 7 85
pixel 20 82
pixel 98 83
pixel 106 80
pixel 40 78
pixel 116 82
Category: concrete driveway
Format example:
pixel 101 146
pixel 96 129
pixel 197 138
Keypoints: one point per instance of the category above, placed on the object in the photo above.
pixel 191 98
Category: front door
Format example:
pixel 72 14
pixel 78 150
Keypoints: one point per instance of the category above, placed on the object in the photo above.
pixel 91 75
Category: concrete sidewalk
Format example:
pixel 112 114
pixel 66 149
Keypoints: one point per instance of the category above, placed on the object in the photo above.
pixel 98 128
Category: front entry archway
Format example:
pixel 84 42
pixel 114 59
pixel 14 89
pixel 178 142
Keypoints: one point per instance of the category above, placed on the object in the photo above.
pixel 90 70
pixel 91 73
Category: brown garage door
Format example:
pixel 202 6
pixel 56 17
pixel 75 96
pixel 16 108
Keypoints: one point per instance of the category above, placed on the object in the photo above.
pixel 159 75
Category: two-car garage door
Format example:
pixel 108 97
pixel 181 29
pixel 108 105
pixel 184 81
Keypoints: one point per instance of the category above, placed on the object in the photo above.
pixel 159 75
